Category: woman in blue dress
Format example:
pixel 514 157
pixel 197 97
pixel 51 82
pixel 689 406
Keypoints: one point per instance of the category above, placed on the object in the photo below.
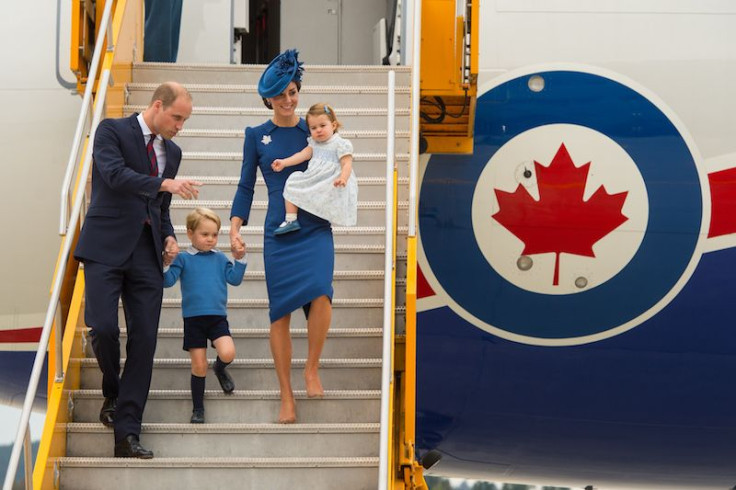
pixel 299 266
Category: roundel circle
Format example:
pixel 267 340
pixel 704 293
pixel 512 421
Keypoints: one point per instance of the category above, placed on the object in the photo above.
pixel 577 216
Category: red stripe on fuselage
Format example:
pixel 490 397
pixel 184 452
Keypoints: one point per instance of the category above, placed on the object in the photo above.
pixel 723 202
pixel 20 335
pixel 423 287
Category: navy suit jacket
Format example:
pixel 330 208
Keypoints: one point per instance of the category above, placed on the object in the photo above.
pixel 124 195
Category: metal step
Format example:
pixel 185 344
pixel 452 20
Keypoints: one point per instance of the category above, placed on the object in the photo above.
pixel 219 188
pixel 253 342
pixel 231 140
pixel 229 95
pixel 250 74
pixel 228 164
pixel 239 117
pixel 223 440
pixel 344 236
pixel 240 407
pixel 253 374
pixel 370 213
pixel 247 314
pixel 214 473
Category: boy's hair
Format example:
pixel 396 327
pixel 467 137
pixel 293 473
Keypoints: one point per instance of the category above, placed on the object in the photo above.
pixel 322 108
pixel 195 218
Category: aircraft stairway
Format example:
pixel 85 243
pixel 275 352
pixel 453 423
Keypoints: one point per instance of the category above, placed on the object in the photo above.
pixel 335 442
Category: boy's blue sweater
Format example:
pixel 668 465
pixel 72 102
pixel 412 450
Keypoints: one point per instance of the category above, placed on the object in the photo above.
pixel 204 278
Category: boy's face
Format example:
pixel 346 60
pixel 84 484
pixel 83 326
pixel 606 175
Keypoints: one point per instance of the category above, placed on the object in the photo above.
pixel 204 238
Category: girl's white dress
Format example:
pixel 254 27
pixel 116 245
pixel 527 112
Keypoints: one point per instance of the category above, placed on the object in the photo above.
pixel 313 189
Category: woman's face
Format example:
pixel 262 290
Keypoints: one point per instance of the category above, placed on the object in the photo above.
pixel 286 102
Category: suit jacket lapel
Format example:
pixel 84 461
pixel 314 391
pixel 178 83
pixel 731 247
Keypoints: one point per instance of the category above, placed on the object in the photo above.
pixel 143 162
pixel 169 168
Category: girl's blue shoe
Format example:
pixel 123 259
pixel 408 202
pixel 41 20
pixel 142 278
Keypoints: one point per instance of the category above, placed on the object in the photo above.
pixel 287 227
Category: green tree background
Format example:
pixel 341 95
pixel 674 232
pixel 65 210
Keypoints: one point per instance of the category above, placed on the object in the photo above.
pixel 441 483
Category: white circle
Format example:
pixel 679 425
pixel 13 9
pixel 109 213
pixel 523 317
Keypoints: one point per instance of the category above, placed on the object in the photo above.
pixel 610 167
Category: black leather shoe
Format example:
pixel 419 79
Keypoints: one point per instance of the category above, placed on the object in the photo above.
pixel 107 412
pixel 130 447
pixel 197 416
pixel 226 381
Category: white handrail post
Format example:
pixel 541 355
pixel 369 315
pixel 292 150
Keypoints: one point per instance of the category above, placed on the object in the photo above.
pixel 414 145
pixel 28 458
pixel 232 32
pixel 388 310
pixel 86 103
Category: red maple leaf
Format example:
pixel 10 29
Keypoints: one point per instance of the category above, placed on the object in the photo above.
pixel 561 221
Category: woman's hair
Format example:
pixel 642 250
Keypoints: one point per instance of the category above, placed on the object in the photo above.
pixel 324 109
pixel 195 218
pixel 298 88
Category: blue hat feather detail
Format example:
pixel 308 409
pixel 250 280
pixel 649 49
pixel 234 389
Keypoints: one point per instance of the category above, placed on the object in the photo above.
pixel 282 70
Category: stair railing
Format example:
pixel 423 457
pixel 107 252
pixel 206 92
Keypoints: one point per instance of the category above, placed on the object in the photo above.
pixel 23 439
pixel 389 274
pixel 416 38
pixel 85 111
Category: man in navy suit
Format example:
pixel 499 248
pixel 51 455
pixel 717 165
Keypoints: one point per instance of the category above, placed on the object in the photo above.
pixel 126 239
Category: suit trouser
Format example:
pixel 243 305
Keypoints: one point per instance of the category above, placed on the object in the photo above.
pixel 139 282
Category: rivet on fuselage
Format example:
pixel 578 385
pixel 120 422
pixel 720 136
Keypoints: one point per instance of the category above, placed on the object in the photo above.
pixel 524 263
pixel 581 282
pixel 536 83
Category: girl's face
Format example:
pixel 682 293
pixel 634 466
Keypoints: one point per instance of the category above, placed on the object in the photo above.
pixel 321 128
pixel 286 102
pixel 204 238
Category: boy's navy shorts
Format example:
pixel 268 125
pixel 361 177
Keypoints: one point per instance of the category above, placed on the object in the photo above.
pixel 197 329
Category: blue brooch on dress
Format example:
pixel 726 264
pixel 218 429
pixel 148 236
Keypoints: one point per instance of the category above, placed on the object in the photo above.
pixel 266 139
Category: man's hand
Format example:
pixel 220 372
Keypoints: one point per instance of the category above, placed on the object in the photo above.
pixel 188 189
pixel 171 250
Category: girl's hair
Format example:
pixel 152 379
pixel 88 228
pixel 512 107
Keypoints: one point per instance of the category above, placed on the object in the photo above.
pixel 324 109
pixel 195 218
pixel 298 89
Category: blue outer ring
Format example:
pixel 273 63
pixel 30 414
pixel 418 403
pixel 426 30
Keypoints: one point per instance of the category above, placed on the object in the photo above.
pixel 606 106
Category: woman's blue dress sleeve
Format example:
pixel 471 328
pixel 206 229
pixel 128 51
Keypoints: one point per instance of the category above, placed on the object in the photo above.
pixel 244 194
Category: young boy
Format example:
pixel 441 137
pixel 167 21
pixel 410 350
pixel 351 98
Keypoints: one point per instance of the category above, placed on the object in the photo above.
pixel 205 273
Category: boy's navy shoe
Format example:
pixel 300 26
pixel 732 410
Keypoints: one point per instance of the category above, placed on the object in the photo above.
pixel 226 381
pixel 287 227
pixel 197 416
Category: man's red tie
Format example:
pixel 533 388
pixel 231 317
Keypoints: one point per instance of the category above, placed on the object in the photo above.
pixel 152 157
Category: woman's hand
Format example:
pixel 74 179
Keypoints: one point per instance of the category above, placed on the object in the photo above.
pixel 237 245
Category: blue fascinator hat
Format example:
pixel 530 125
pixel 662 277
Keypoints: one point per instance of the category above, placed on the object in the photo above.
pixel 284 69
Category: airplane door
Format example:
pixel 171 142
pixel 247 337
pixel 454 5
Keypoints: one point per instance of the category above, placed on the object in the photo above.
pixel 313 28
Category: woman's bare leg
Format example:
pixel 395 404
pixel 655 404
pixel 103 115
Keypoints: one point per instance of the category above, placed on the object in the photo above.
pixel 280 340
pixel 318 323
